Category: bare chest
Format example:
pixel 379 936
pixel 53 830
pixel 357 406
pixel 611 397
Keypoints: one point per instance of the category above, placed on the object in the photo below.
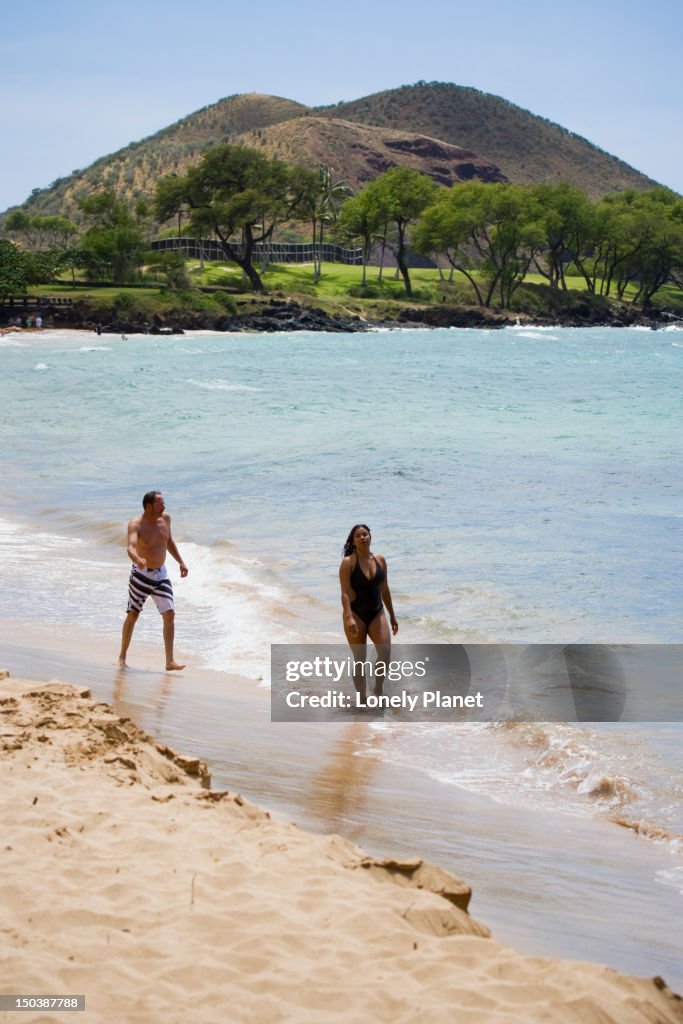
pixel 153 535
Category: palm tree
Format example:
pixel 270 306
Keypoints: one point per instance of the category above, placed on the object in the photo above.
pixel 329 195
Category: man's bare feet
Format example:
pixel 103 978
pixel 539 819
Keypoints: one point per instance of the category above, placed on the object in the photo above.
pixel 173 666
pixel 122 663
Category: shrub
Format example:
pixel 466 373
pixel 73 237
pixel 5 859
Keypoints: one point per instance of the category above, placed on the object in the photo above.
pixel 124 303
pixel 226 301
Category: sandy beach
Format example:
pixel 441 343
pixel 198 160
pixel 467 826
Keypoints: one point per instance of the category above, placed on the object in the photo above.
pixel 129 880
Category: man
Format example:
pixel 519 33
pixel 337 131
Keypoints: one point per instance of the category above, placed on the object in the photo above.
pixel 149 537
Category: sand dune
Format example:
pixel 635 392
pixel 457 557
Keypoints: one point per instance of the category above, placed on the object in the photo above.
pixel 127 879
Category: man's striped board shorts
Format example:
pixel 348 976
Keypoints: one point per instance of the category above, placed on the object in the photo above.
pixel 154 583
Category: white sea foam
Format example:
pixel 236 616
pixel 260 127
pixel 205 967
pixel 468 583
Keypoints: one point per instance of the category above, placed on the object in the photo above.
pixel 536 334
pixel 672 878
pixel 212 334
pixel 527 329
pixel 553 766
pixel 218 384
pixel 240 610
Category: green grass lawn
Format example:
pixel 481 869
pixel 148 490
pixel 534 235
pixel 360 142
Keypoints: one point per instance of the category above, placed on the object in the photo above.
pixel 81 290
pixel 337 284
pixel 337 279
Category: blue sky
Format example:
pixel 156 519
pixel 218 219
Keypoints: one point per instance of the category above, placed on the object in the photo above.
pixel 81 79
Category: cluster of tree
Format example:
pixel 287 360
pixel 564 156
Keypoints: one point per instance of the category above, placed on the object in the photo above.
pixel 46 251
pixel 116 242
pixel 494 234
pixel 235 195
pixel 239 197
pixel 20 269
pixel 112 245
pixel 41 232
pixel 384 211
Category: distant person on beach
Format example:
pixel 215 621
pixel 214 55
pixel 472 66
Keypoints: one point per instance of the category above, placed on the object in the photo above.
pixel 364 593
pixel 149 537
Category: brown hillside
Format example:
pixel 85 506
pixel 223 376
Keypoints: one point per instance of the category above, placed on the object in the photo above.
pixel 134 171
pixel 358 153
pixel 526 148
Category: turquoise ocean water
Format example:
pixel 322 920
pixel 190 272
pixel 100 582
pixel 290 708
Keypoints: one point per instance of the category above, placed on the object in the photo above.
pixel 524 485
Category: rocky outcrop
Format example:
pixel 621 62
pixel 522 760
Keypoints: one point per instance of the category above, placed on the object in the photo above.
pixel 272 314
pixel 574 314
pixel 283 315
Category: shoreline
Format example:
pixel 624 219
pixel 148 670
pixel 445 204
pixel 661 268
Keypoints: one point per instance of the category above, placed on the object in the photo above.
pixel 203 915
pixel 275 313
pixel 334 778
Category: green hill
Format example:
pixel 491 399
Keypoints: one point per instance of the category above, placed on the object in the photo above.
pixel 448 131
pixel 525 147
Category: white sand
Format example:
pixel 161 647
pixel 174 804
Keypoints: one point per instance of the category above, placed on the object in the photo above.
pixel 126 879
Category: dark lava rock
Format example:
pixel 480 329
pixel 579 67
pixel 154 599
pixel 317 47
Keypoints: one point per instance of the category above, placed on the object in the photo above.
pixel 291 316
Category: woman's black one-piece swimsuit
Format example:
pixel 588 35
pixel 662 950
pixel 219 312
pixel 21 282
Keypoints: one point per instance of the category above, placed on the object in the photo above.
pixel 368 601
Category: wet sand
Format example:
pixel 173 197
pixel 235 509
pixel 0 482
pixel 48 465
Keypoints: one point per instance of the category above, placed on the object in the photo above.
pixel 546 883
pixel 157 897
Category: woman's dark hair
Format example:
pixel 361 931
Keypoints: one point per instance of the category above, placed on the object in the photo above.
pixel 349 546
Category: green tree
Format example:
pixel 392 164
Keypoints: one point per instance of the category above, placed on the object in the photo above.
pixel 451 226
pixel 235 191
pixel 322 207
pixel 171 264
pixel 642 241
pixel 43 267
pixel 399 196
pixel 489 232
pixel 13 275
pixel 661 258
pixel 116 242
pixel 512 239
pixel 39 232
pixel 616 240
pixel 18 223
pixel 567 220
pixel 361 220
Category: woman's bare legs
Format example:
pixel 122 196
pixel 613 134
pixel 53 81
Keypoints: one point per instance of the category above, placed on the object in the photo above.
pixel 358 645
pixel 378 631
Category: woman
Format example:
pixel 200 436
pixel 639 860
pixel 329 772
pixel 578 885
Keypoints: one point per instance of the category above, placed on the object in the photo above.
pixel 364 592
